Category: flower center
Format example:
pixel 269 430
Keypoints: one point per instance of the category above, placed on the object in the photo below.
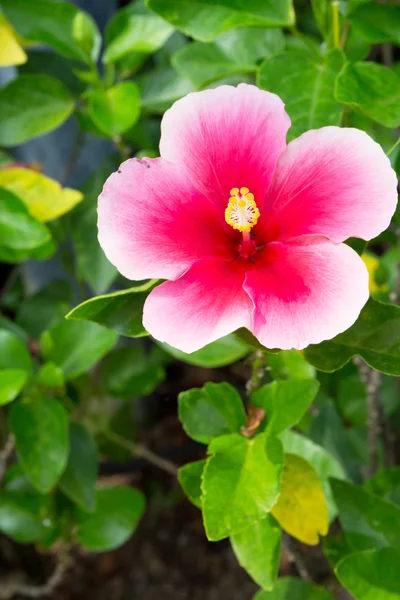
pixel 242 212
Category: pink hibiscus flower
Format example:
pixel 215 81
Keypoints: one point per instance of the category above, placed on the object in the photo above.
pixel 247 230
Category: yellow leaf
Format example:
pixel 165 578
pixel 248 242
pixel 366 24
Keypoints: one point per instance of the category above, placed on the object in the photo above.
pixel 301 509
pixel 11 52
pixel 372 263
pixel 44 197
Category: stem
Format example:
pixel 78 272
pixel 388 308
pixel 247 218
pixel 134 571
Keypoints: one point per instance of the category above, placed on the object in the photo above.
pixel 345 33
pixel 13 588
pixel 255 414
pixel 6 454
pixel 296 557
pixel 143 452
pixel 123 150
pixel 389 152
pixel 336 24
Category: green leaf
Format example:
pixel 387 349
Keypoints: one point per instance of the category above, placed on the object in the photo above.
pixel 50 376
pixel 371 89
pixel 134 29
pixel 92 266
pixel 57 24
pixel 206 19
pixel 371 575
pixel 368 521
pixel 79 478
pixel 324 464
pixel 32 105
pixel 20 233
pixel 115 110
pixel 49 305
pixel 76 347
pixel 375 336
pixel 377 22
pixel 129 371
pixel 289 588
pixel 20 516
pixel 118 512
pixel 121 311
pixel 236 51
pixel 301 509
pixel 12 382
pixel 240 484
pixel 385 484
pixel 161 87
pixel 189 476
pixel 258 549
pixel 40 427
pixel 285 402
pixel 13 353
pixel 213 410
pixel 289 363
pixel 224 351
pixel 306 85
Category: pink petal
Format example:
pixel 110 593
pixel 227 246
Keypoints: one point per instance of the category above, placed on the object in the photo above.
pixel 202 306
pixel 226 137
pixel 307 292
pixel 332 182
pixel 153 223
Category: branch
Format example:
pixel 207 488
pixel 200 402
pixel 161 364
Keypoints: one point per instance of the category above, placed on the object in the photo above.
pixel 6 454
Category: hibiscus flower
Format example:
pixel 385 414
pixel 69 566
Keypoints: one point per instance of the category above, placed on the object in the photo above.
pixel 247 231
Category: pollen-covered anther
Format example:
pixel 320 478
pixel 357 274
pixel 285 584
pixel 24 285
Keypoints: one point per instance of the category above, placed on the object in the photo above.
pixel 242 212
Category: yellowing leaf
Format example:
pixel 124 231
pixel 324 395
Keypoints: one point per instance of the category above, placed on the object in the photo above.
pixel 44 197
pixel 372 264
pixel 11 52
pixel 301 508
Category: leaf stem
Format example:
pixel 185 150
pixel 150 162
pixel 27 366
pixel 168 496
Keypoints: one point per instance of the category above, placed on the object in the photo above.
pixel 5 455
pixel 336 23
pixel 393 148
pixel 141 451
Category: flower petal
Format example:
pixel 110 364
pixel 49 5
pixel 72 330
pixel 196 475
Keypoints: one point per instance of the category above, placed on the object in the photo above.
pixel 332 182
pixel 226 137
pixel 202 306
pixel 308 291
pixel 153 223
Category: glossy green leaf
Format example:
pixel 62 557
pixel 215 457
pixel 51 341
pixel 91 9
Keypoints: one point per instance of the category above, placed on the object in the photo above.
pixel 57 24
pixel 20 233
pixel 47 306
pixel 79 478
pixel 371 575
pixel 134 29
pixel 385 484
pixel 375 336
pixel 213 410
pixel 12 382
pixel 115 110
pixel 290 588
pixel 223 352
pixel 324 464
pixel 92 266
pixel 76 347
pixel 161 87
pixel 368 521
pixel 371 89
pixel 20 516
pixel 377 22
pixel 289 364
pixel 13 352
pixel 240 484
pixel 306 85
pixel 130 371
pixel 285 402
pixel 118 511
pixel 189 477
pixel 236 51
pixel 40 427
pixel 258 549
pixel 206 20
pixel 32 105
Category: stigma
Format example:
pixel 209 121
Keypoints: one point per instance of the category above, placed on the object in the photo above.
pixel 242 212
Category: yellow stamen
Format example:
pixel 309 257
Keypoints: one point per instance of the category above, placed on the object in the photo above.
pixel 242 212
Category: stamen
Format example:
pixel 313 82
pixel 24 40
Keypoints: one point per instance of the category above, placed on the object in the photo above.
pixel 242 212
